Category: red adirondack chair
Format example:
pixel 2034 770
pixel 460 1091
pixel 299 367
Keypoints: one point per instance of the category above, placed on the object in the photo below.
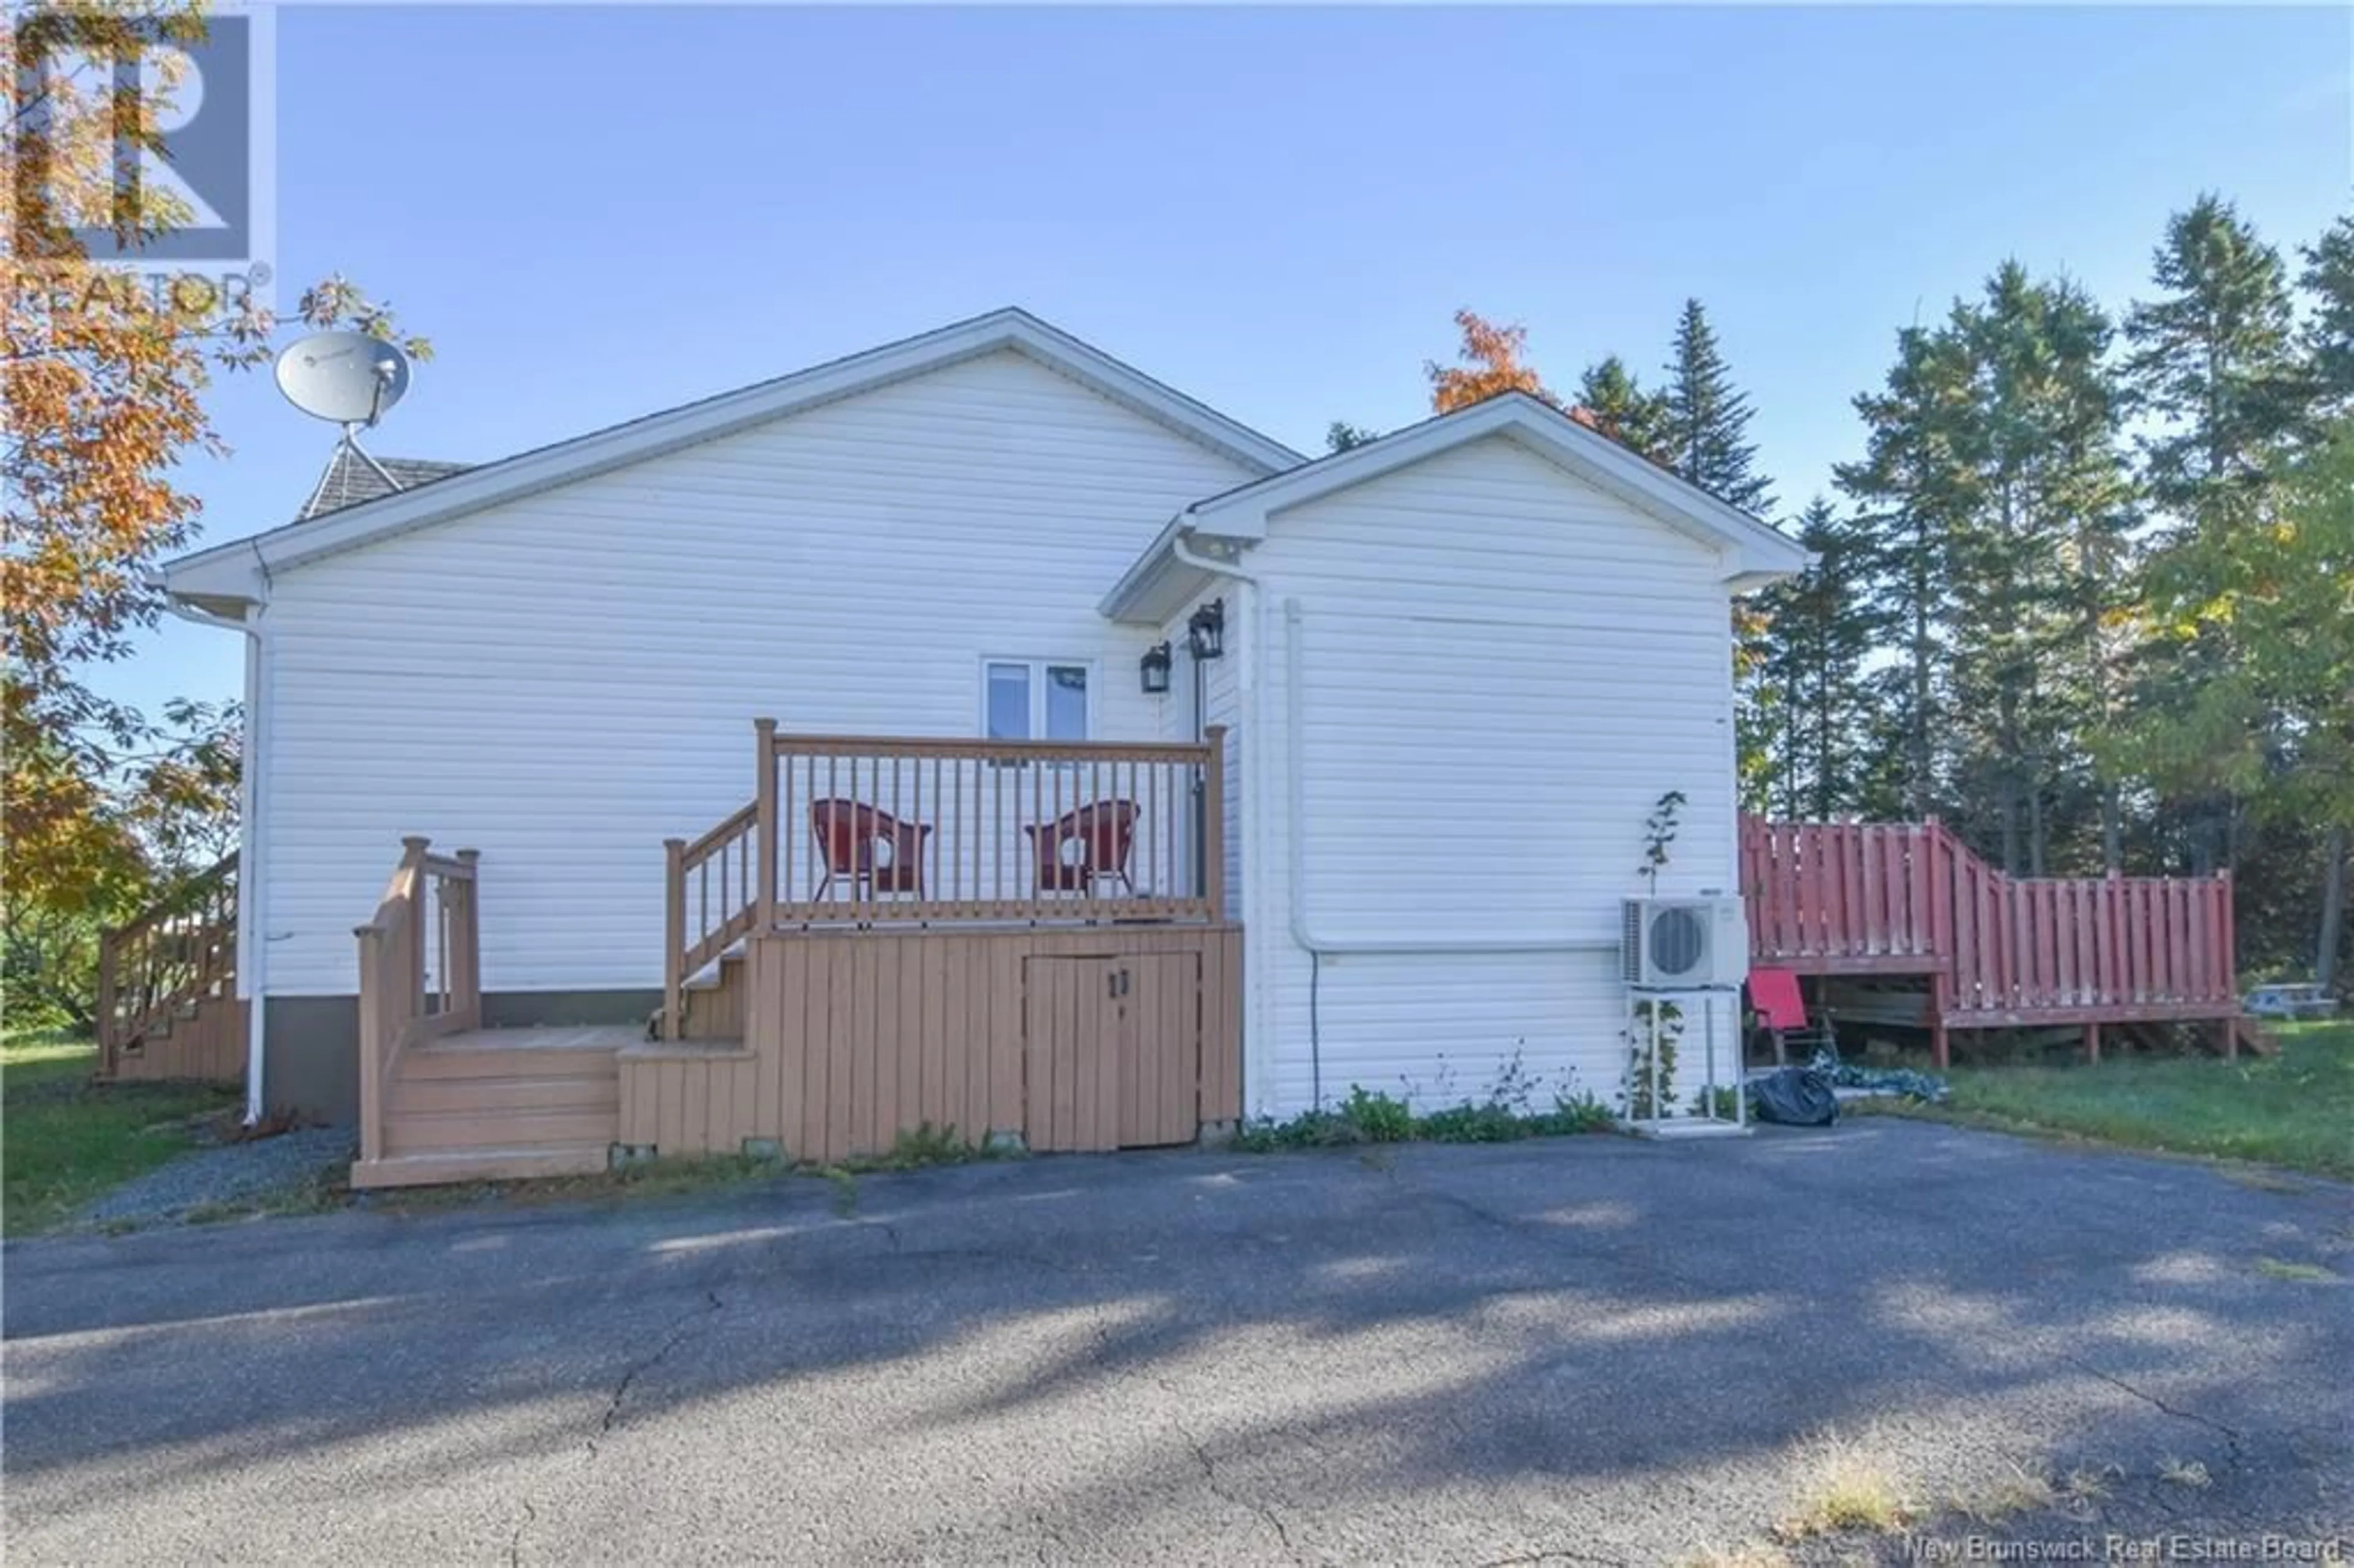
pixel 1084 846
pixel 868 845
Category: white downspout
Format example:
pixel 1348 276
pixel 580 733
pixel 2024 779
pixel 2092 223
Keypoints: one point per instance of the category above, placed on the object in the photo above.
pixel 1296 815
pixel 1258 1060
pixel 253 948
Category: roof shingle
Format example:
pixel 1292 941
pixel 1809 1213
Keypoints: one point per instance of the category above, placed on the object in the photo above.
pixel 350 479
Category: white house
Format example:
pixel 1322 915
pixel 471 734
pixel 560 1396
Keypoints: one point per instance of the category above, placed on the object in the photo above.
pixel 1455 668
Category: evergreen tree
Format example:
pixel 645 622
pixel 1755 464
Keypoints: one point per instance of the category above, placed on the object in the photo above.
pixel 2214 360
pixel 2329 341
pixel 1341 435
pixel 1704 420
pixel 1824 631
pixel 1702 424
pixel 1912 494
pixel 2037 530
pixel 2214 357
pixel 1622 410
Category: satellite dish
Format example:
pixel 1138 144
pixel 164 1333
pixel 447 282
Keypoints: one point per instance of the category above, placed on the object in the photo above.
pixel 348 377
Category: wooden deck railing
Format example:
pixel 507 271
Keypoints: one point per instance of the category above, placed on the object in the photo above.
pixel 2058 948
pixel 868 832
pixel 420 970
pixel 1866 895
pixel 171 956
pixel 1911 898
pixel 862 831
pixel 711 900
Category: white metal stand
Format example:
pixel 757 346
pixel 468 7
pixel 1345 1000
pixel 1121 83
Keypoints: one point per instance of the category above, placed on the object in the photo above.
pixel 1703 1122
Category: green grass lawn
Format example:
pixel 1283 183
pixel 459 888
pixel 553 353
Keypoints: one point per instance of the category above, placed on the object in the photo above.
pixel 2293 1109
pixel 64 1140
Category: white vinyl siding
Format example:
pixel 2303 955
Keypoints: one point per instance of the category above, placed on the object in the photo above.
pixel 564 680
pixel 1504 668
pixel 1221 699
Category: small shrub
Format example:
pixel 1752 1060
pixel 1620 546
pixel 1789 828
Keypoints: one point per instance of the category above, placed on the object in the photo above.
pixel 1722 1102
pixel 925 1144
pixel 1576 1113
pixel 1467 1123
pixel 1379 1117
pixel 1369 1118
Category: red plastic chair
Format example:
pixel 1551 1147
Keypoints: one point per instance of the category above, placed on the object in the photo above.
pixel 1102 833
pixel 868 845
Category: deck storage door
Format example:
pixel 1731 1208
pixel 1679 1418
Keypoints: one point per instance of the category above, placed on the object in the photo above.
pixel 1114 1050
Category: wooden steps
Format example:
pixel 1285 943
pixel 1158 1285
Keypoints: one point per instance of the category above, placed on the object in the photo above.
pixel 712 1003
pixel 497 1105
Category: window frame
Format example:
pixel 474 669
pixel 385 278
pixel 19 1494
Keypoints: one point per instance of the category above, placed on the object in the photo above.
pixel 1038 664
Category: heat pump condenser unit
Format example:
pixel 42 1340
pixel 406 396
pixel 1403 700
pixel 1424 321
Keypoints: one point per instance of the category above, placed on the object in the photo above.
pixel 1681 944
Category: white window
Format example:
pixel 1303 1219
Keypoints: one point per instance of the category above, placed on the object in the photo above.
pixel 1033 699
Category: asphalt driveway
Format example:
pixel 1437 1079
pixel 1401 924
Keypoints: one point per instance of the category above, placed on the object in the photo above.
pixel 1587 1349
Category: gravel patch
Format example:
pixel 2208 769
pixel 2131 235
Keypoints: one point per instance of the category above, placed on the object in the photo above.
pixel 230 1174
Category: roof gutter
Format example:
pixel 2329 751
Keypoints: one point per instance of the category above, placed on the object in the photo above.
pixel 252 943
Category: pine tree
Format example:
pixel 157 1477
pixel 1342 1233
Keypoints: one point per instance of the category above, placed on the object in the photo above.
pixel 1824 631
pixel 2213 359
pixel 1341 435
pixel 1622 410
pixel 2329 337
pixel 2040 521
pixel 1912 494
pixel 1704 420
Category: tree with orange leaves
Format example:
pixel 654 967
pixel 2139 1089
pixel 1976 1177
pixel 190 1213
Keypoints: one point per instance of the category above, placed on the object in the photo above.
pixel 1490 363
pixel 104 397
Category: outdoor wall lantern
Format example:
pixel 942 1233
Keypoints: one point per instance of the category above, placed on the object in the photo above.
pixel 1205 633
pixel 1154 668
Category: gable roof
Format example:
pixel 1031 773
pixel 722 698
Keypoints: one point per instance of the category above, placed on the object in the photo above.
pixel 237 570
pixel 1753 552
pixel 350 479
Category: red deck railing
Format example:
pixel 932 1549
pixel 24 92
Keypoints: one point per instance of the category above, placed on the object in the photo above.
pixel 1910 899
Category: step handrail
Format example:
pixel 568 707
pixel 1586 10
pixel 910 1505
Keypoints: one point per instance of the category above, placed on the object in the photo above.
pixel 721 862
pixel 180 950
pixel 430 909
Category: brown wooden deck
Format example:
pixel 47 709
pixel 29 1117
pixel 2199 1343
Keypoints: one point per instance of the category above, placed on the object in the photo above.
pixel 997 939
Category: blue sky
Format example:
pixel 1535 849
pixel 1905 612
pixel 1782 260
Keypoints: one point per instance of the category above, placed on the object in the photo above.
pixel 597 212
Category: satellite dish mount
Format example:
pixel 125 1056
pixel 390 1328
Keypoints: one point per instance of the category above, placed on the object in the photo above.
pixel 348 379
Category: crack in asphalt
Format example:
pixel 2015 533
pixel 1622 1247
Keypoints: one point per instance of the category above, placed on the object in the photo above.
pixel 1219 1489
pixel 1553 1554
pixel 681 1329
pixel 676 1333
pixel 2230 1435
pixel 515 1542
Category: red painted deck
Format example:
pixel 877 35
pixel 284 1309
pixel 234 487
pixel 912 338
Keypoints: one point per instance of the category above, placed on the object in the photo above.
pixel 1907 898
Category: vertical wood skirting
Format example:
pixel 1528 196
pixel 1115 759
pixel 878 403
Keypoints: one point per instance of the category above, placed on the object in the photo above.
pixel 207 1046
pixel 851 1038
